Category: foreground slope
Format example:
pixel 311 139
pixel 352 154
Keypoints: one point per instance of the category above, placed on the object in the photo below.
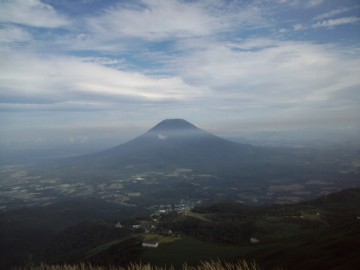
pixel 318 234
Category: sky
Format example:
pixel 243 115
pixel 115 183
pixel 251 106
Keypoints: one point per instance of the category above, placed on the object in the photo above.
pixel 81 70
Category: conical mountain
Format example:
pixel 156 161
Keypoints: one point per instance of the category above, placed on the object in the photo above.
pixel 172 143
pixel 176 143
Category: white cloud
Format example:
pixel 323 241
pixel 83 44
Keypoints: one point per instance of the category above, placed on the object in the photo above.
pixel 162 137
pixel 336 22
pixel 169 19
pixel 298 26
pixel 64 81
pixel 130 26
pixel 331 13
pixel 300 3
pixel 103 61
pixel 220 60
pixel 30 13
pixel 77 139
pixel 9 34
pixel 265 74
pixel 313 3
pixel 158 20
pixel 57 105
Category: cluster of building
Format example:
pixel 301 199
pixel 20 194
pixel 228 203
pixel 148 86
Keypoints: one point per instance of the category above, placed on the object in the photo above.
pixel 182 206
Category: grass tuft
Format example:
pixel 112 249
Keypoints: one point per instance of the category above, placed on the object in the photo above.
pixel 211 265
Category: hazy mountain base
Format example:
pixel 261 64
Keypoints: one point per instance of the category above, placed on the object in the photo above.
pixel 176 143
pixel 158 158
pixel 212 265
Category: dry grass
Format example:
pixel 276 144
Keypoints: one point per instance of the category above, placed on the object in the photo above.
pixel 240 265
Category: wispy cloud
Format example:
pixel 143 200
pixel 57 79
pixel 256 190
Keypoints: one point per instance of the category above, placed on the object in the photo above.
pixel 331 13
pixel 270 73
pixel 160 19
pixel 298 26
pixel 31 13
pixel 313 3
pixel 54 80
pixel 10 34
pixel 300 3
pixel 336 22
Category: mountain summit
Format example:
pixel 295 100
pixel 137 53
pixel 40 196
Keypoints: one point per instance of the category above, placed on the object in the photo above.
pixel 175 129
pixel 173 124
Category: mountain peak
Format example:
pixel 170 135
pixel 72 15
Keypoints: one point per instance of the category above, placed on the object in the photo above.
pixel 173 124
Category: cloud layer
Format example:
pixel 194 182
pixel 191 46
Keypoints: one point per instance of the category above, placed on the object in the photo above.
pixel 32 13
pixel 283 61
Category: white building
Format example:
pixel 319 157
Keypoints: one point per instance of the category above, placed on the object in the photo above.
pixel 254 240
pixel 152 244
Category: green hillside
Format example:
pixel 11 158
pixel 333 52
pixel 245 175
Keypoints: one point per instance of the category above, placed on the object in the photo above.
pixel 319 234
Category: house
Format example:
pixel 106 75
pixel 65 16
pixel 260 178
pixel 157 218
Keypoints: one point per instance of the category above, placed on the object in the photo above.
pixel 254 240
pixel 152 244
pixel 118 225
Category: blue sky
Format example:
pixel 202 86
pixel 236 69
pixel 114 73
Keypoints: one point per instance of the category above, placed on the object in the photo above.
pixel 76 70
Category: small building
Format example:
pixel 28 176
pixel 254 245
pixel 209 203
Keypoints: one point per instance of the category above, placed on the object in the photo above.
pixel 151 244
pixel 118 225
pixel 254 240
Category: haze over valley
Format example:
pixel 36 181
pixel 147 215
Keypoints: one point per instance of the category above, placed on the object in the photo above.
pixel 171 169
pixel 174 161
pixel 160 133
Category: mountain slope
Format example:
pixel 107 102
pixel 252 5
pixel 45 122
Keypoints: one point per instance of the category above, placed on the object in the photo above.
pixel 176 143
pixel 173 143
